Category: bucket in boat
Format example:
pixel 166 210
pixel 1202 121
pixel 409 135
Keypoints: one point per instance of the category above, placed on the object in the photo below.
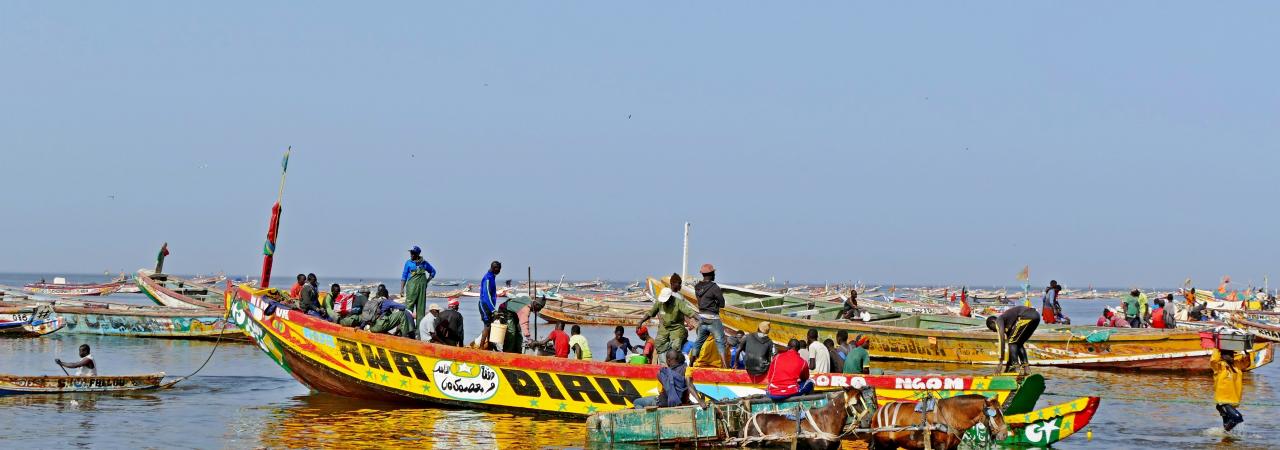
pixel 637 359
pixel 497 334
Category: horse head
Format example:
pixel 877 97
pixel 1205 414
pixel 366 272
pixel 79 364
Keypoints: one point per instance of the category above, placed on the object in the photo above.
pixel 993 418
pixel 855 399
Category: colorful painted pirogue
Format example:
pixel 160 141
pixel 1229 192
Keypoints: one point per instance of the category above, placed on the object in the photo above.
pixel 174 292
pixel 73 289
pixel 15 324
pixel 964 340
pixel 723 422
pixel 117 319
pixel 355 363
pixel 22 384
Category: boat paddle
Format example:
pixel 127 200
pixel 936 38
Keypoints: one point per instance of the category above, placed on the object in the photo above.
pixel 64 369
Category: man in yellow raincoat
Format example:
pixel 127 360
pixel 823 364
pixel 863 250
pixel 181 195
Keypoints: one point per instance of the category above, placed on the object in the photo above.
pixel 1228 384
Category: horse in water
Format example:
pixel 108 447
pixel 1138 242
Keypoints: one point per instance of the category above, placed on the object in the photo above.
pixel 819 428
pixel 947 422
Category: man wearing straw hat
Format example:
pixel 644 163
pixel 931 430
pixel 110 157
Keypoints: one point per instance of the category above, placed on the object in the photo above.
pixel 671 308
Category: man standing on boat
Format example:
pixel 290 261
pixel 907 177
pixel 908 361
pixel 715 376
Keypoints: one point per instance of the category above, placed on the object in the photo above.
pixel 488 300
pixel 413 283
pixel 710 300
pixel 671 308
pixel 1014 327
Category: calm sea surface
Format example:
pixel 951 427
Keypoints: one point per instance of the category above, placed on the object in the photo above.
pixel 243 400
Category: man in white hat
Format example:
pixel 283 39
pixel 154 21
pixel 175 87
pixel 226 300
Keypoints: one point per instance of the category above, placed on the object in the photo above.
pixel 672 309
pixel 427 328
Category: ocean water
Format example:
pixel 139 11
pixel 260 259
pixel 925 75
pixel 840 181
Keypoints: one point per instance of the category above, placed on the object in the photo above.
pixel 243 400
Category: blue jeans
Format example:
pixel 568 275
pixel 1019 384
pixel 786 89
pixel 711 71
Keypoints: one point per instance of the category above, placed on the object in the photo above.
pixel 645 402
pixel 707 327
pixel 806 387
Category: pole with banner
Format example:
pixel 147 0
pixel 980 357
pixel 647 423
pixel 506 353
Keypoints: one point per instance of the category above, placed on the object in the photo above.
pixel 269 248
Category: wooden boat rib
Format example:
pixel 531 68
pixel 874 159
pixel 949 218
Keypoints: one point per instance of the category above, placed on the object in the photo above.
pixel 174 292
pixel 354 363
pixel 21 384
pixel 74 289
pixel 935 338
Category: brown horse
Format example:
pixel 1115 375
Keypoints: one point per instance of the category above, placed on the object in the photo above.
pixel 951 417
pixel 820 428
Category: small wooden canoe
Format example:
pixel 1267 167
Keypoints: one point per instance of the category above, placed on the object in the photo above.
pixel 43 384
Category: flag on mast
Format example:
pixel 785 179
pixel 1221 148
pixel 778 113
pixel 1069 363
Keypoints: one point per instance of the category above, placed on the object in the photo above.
pixel 1025 273
pixel 269 247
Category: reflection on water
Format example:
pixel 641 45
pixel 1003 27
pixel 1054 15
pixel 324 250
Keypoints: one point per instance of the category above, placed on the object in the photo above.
pixel 322 420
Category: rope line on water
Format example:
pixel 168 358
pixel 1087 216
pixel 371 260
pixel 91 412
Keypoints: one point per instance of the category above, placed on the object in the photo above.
pixel 1152 400
pixel 216 343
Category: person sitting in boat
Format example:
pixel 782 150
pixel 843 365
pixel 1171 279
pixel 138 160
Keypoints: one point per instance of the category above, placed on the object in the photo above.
pixel 1228 384
pixel 849 309
pixel 578 343
pixel 558 339
pixel 371 307
pixel 858 361
pixel 616 349
pixel 295 292
pixel 673 311
pixel 1014 328
pixel 309 298
pixel 788 374
pixel 758 351
pixel 736 343
pixel 642 332
pixel 427 326
pixel 449 325
pixel 85 366
pixel 676 389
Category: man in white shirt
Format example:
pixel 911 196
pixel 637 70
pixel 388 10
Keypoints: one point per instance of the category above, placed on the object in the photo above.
pixel 427 328
pixel 819 356
pixel 86 366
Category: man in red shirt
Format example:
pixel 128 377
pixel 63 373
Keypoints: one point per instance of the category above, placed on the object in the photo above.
pixel 296 290
pixel 557 337
pixel 642 332
pixel 788 374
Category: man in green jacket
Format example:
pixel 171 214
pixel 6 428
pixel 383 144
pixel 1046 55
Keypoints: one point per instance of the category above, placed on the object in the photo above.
pixel 673 310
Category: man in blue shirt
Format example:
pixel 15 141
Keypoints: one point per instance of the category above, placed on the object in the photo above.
pixel 488 300
pixel 676 389
pixel 417 273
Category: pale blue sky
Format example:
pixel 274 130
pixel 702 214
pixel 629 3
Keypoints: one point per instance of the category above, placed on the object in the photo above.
pixel 1112 144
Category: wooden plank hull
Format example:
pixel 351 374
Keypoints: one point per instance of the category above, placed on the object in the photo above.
pixel 73 290
pixel 354 363
pixel 177 293
pixel 962 340
pixel 20 384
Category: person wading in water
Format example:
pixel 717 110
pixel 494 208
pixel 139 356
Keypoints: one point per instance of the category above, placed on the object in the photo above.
pixel 1014 328
pixel 1228 384
pixel 413 283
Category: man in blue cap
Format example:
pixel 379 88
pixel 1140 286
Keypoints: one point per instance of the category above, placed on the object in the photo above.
pixel 413 283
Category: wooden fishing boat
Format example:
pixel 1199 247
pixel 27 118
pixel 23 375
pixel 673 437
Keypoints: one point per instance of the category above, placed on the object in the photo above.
pixel 174 292
pixel 572 309
pixel 354 363
pixel 17 325
pixel 936 338
pixel 65 289
pixel 43 384
pixel 119 319
pixel 723 423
